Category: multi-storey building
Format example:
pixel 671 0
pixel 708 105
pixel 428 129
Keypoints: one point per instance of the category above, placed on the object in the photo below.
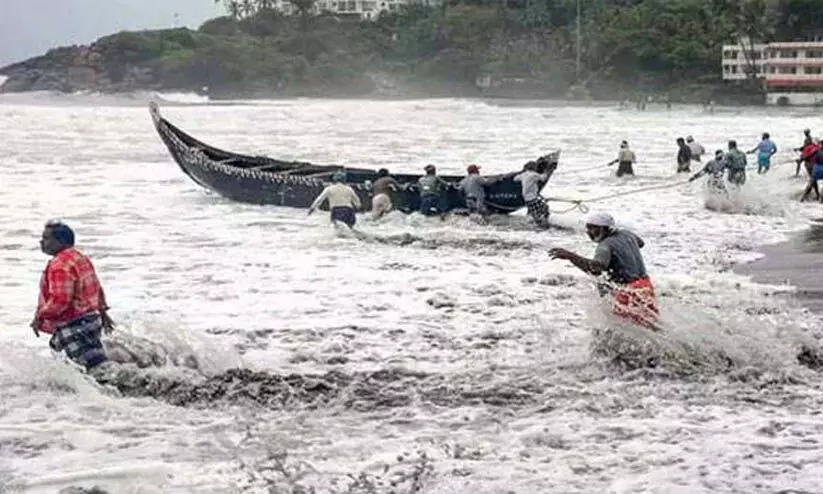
pixel 792 71
pixel 365 9
pixel 739 60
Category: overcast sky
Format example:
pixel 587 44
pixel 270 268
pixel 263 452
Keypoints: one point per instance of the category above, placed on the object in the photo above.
pixel 30 27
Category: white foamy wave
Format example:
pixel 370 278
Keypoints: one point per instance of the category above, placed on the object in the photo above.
pixel 498 333
pixel 186 98
pixel 3 79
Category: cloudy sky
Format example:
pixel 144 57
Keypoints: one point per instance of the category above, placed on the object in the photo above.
pixel 30 27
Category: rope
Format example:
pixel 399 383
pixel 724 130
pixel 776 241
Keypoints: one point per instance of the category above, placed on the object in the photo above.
pixel 579 203
pixel 589 169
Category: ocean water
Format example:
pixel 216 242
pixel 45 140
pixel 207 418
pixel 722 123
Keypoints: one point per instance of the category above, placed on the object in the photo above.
pixel 459 362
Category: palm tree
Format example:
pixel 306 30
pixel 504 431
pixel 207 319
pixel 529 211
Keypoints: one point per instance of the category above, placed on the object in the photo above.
pixel 232 6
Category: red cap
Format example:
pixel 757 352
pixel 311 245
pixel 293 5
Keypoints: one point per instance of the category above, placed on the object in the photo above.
pixel 473 169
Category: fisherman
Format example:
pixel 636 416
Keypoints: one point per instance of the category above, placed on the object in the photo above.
pixel 736 164
pixel 530 181
pixel 625 159
pixel 807 157
pixel 618 255
pixel 765 150
pixel 343 201
pixel 432 187
pixel 473 187
pixel 815 174
pixel 807 141
pixel 383 190
pixel 684 156
pixel 696 148
pixel 72 306
pixel 715 169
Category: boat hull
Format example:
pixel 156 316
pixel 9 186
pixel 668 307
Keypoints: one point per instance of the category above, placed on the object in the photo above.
pixel 267 181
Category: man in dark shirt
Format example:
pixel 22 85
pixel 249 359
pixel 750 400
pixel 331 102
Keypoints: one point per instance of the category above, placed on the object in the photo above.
pixel 684 156
pixel 618 255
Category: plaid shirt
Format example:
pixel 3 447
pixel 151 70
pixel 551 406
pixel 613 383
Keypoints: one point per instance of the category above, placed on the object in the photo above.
pixel 69 289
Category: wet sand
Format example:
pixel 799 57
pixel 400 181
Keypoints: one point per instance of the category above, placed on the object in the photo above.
pixel 798 262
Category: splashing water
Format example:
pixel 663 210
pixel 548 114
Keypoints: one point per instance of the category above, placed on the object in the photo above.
pixel 442 356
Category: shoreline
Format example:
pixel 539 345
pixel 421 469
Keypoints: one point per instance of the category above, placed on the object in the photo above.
pixel 797 262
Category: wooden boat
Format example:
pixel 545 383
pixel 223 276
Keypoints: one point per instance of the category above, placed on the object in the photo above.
pixel 264 180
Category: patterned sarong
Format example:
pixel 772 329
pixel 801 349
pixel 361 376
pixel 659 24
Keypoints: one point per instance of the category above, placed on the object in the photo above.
pixel 636 301
pixel 81 341
pixel 539 211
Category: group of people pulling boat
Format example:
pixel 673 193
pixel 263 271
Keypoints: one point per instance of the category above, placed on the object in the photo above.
pixel 343 201
pixel 72 306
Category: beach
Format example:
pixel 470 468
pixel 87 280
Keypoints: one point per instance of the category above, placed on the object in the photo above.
pixel 797 262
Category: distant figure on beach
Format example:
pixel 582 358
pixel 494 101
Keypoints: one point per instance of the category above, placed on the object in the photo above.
pixel 697 149
pixel 625 159
pixel 765 150
pixel 343 201
pixel 736 165
pixel 715 169
pixel 684 156
pixel 618 255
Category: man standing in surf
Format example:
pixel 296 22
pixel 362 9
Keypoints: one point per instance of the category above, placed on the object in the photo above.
pixel 618 255
pixel 72 306
pixel 342 200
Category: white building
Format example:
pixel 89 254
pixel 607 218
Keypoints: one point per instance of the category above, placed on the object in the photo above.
pixel 793 70
pixel 794 73
pixel 365 9
pixel 739 59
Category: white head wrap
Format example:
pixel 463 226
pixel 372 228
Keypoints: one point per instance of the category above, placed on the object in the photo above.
pixel 600 219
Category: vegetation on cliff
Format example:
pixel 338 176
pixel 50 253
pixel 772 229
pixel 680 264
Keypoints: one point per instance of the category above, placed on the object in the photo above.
pixel 625 45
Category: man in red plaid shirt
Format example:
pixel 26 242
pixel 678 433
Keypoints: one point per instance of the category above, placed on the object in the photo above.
pixel 72 306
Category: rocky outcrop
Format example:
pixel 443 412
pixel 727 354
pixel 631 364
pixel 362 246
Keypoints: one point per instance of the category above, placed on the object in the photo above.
pixel 77 68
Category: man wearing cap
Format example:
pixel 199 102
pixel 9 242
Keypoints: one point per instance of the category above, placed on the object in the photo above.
pixel 473 187
pixel 72 306
pixel 342 200
pixel 618 255
pixel 382 190
pixel 432 187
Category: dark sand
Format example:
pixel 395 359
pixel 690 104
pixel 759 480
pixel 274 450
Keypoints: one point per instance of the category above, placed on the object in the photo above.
pixel 798 262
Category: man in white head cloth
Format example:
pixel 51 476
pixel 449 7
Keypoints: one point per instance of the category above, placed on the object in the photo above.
pixel 697 149
pixel 618 255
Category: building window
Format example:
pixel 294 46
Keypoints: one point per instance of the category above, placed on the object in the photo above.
pixel 788 53
pixel 352 6
pixel 369 5
pixel 813 70
pixel 787 70
pixel 814 54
